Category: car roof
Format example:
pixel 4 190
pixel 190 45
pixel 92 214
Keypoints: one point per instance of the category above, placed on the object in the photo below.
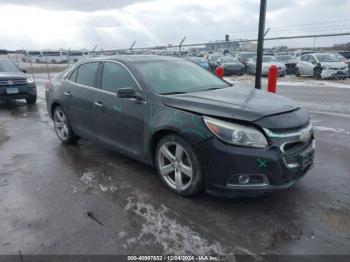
pixel 137 58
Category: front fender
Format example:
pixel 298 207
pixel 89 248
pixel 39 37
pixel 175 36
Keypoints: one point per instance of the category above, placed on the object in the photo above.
pixel 188 125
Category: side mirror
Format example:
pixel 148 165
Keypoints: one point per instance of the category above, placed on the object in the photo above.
pixel 129 92
pixel 24 71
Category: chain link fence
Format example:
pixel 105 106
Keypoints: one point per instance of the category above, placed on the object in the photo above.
pixel 324 56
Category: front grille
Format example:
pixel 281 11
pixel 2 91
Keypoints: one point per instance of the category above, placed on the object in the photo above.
pixel 13 82
pixel 288 130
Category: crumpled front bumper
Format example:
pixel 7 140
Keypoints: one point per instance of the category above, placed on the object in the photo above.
pixel 273 169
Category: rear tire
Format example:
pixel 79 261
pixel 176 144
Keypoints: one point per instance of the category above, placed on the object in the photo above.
pixel 31 100
pixel 63 127
pixel 178 166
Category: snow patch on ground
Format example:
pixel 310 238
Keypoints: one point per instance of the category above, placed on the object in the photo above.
pixel 165 231
pixel 95 181
pixel 331 130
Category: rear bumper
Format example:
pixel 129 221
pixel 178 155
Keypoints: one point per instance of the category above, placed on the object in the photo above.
pixel 24 92
pixel 222 164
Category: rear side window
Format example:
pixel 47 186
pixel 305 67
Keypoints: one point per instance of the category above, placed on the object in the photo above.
pixel 87 74
pixel 115 76
pixel 73 76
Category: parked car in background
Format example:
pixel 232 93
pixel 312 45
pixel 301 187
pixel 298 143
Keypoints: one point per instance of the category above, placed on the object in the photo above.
pixel 298 54
pixel 289 61
pixel 196 129
pixel 244 57
pixel 322 65
pixel 212 61
pixel 15 84
pixel 200 61
pixel 3 53
pixel 346 55
pixel 231 65
pixel 268 61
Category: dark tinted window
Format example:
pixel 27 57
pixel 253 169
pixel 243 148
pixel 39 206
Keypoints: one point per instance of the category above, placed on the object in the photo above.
pixel 87 74
pixel 73 76
pixel 115 76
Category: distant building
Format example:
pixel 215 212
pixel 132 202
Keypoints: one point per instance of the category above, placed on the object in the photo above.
pixel 237 45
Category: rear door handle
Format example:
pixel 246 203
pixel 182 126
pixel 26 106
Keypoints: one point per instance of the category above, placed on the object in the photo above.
pixel 67 93
pixel 98 104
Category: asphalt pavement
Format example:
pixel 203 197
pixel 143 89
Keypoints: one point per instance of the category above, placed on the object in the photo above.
pixel 47 190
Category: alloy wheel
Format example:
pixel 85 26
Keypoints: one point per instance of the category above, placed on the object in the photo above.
pixel 175 166
pixel 61 124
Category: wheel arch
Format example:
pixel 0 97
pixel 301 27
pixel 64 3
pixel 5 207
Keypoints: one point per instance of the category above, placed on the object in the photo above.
pixel 156 137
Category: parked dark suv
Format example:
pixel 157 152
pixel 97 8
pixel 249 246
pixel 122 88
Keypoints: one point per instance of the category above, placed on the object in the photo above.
pixel 198 130
pixel 15 84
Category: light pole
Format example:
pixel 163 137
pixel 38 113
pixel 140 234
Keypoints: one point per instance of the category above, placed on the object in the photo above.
pixel 260 51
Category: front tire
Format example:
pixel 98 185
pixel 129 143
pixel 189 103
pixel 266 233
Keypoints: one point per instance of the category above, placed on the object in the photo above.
pixel 63 128
pixel 178 166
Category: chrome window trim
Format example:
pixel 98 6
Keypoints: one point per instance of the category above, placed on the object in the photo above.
pixel 99 89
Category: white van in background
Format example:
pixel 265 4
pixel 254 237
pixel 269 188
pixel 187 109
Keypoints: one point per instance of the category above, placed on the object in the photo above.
pixel 33 56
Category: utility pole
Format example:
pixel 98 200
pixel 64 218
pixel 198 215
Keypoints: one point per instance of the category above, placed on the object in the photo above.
pixel 132 46
pixel 260 51
pixel 180 45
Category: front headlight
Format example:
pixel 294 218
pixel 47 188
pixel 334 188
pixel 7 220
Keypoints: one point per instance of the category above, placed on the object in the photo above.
pixel 30 80
pixel 236 134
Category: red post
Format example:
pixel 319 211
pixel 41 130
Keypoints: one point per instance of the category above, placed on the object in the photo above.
pixel 220 71
pixel 272 82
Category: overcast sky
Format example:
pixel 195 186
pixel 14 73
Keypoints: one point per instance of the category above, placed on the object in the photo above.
pixel 113 24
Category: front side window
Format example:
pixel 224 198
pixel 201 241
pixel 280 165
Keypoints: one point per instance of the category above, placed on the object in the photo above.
pixel 87 74
pixel 167 77
pixel 115 76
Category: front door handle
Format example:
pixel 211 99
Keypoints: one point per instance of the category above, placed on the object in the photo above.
pixel 99 104
pixel 67 93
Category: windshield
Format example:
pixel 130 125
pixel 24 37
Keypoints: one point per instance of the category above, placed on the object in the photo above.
pixel 327 58
pixel 269 59
pixel 345 54
pixel 8 66
pixel 166 77
pixel 284 57
pixel 229 59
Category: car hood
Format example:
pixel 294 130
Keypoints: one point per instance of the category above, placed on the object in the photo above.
pixel 334 64
pixel 239 103
pixel 12 75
